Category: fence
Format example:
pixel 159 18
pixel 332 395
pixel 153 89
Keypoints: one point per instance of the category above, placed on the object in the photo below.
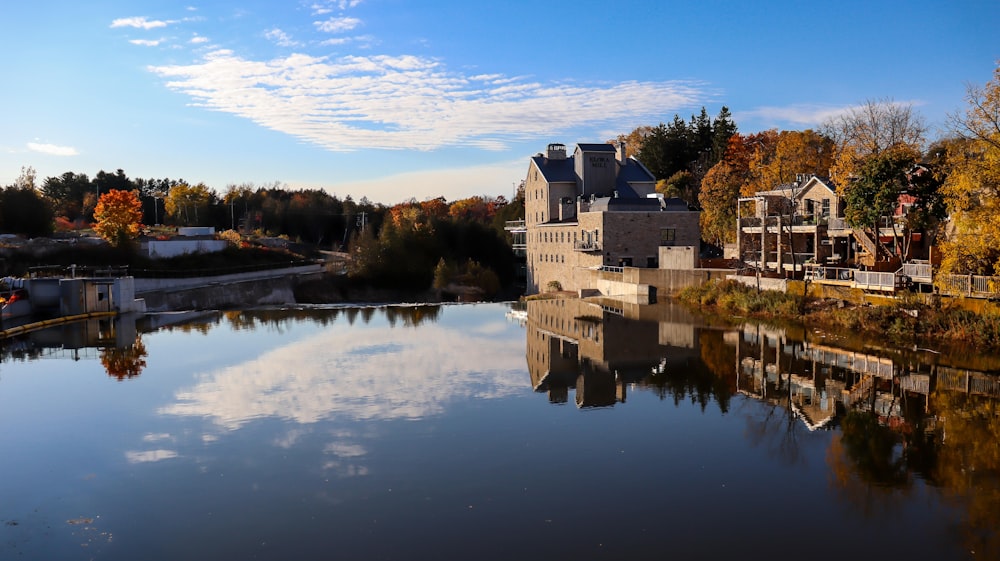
pixel 968 285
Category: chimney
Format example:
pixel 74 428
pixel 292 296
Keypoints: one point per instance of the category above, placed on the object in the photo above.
pixel 620 151
pixel 556 152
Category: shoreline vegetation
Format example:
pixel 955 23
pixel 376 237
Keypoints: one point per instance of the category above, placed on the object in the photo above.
pixel 909 321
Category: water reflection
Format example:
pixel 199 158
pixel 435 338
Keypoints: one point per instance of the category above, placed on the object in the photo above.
pixel 117 342
pixel 600 349
pixel 359 373
pixel 895 415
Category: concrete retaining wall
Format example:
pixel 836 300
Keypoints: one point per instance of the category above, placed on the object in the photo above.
pixel 671 281
pixel 638 284
pixel 305 272
pixel 225 291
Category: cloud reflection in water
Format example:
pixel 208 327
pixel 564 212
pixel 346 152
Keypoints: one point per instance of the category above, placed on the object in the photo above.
pixel 361 373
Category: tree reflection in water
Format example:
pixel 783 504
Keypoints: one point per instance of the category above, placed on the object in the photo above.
pixel 124 362
pixel 901 417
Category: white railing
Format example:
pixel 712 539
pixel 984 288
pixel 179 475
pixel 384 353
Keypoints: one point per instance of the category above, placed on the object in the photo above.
pixel 917 270
pixel 968 285
pixel 871 280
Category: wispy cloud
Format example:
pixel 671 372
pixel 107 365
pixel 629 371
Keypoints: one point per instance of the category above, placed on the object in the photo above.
pixel 138 22
pixel 419 373
pixel 397 102
pixel 337 25
pixel 52 149
pixel 280 38
pixel 798 115
pixel 198 40
pixel 146 42
pixel 322 8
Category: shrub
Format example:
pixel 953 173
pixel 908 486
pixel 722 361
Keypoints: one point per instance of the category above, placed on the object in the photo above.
pixel 554 286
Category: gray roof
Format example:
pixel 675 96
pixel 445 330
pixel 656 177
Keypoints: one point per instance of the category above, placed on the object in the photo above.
pixel 564 171
pixel 596 147
pixel 556 171
pixel 618 204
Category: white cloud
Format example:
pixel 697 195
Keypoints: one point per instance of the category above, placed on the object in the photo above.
pixel 337 25
pixel 146 42
pixel 322 8
pixel 360 374
pixel 281 38
pixel 52 149
pixel 397 102
pixel 345 449
pixel 198 39
pixel 138 22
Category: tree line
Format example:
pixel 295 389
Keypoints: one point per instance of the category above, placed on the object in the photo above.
pixel 394 246
pixel 872 154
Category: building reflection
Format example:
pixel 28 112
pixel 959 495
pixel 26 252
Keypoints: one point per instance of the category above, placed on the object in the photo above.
pixel 895 415
pixel 820 382
pixel 599 349
pixel 114 341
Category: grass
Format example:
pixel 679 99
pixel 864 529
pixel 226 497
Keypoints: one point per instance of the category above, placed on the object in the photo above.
pixel 734 297
pixel 904 321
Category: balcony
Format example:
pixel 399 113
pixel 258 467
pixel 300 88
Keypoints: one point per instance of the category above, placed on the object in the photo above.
pixel 586 246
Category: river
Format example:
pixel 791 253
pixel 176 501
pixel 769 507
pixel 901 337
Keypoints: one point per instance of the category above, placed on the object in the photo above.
pixel 556 429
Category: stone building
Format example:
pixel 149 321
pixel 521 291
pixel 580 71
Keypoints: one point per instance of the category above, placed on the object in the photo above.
pixel 597 209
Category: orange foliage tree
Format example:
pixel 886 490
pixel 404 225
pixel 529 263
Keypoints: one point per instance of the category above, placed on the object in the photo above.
pixel 118 216
pixel 732 177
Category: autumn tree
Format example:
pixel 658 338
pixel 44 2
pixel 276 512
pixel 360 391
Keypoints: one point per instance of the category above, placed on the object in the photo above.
pixel 118 217
pixel 868 130
pixel 725 183
pixel 683 185
pixel 188 205
pixel 633 140
pixel 972 188
pixel 794 153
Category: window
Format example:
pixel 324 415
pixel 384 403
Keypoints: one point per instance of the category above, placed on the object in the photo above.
pixel 668 236
pixel 826 207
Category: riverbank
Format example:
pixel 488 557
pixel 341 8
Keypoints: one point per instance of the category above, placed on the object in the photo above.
pixel 904 321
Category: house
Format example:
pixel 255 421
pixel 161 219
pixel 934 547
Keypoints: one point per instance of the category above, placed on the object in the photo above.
pixel 803 222
pixel 596 209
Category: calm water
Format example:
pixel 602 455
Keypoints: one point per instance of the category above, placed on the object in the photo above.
pixel 573 431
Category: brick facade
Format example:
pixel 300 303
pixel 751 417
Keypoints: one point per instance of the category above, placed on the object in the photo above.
pixel 601 219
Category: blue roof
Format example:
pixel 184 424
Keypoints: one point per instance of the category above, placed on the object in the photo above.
pixel 556 171
pixel 596 147
pixel 564 171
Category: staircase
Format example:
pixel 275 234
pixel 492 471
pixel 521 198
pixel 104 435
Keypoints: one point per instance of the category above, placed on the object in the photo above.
pixel 874 251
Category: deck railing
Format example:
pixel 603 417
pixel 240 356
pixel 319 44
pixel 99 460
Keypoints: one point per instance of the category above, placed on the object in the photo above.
pixel 872 280
pixel 968 285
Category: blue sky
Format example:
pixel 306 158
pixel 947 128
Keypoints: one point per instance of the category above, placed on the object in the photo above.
pixel 393 99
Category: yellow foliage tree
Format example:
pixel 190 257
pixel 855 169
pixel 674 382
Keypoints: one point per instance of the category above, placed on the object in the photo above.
pixel 972 188
pixel 795 152
pixel 118 216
